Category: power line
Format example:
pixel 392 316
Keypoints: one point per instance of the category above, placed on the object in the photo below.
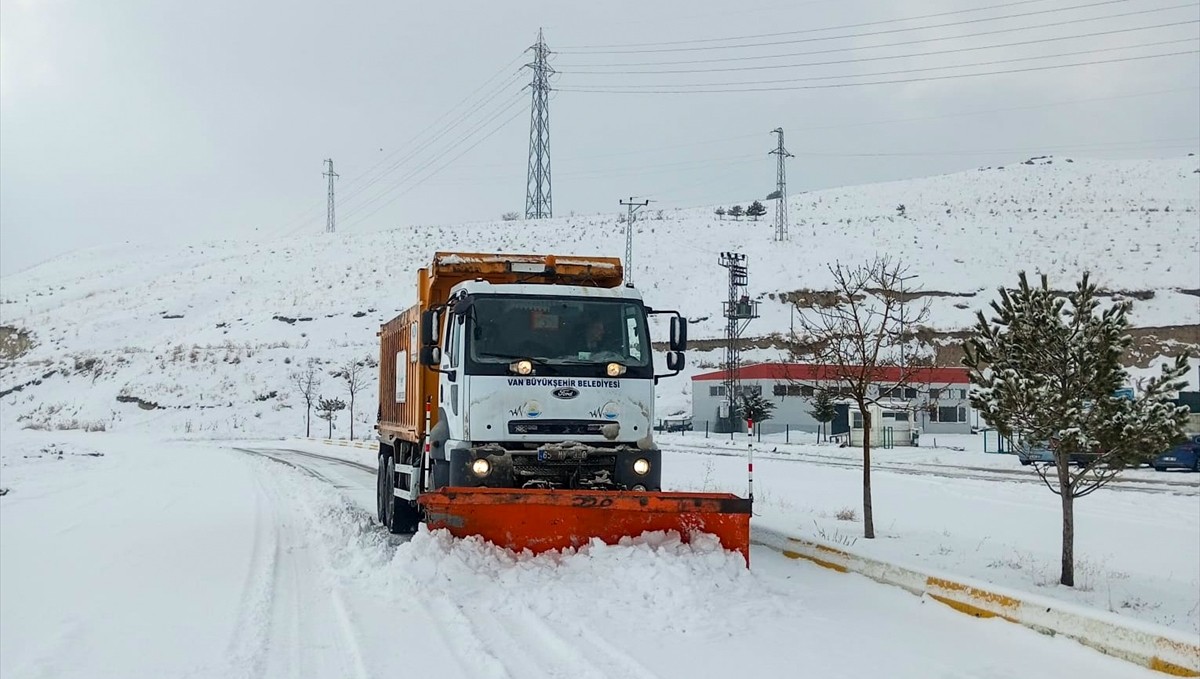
pixel 413 173
pixel 809 128
pixel 1031 69
pixel 487 136
pixel 923 69
pixel 807 30
pixel 758 57
pixel 1094 146
pixel 446 128
pixel 745 159
pixel 853 35
pixel 441 120
pixel 308 214
pixel 1020 43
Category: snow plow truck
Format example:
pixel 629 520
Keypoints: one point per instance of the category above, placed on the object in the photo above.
pixel 516 403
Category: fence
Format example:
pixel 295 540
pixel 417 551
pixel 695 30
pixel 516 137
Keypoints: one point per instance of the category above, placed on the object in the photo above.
pixel 779 432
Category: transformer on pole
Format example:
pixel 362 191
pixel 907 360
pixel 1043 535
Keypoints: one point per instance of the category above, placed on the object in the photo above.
pixel 781 220
pixel 538 200
pixel 330 221
pixel 739 310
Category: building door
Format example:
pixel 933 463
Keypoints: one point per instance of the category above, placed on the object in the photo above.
pixel 841 420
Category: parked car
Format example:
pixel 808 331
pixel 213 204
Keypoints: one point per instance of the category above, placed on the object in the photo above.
pixel 1028 453
pixel 1182 456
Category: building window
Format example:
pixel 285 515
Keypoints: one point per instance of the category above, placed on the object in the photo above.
pixel 910 393
pixel 716 391
pixel 962 394
pixel 949 414
pixel 750 390
pixel 935 394
pixel 792 390
pixel 902 417
pixel 962 414
pixel 857 420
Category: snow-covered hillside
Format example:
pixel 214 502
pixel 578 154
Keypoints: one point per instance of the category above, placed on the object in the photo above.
pixel 202 338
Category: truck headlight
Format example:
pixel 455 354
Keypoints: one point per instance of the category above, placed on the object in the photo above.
pixel 521 367
pixel 641 466
pixel 481 467
pixel 614 369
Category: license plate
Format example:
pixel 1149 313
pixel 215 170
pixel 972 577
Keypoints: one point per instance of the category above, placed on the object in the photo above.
pixel 558 454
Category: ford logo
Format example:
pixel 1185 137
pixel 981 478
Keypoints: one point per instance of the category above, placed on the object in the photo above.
pixel 565 393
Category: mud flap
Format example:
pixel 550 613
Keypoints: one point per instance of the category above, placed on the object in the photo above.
pixel 543 520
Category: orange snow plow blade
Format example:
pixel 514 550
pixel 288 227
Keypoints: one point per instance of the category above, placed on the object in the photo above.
pixel 543 520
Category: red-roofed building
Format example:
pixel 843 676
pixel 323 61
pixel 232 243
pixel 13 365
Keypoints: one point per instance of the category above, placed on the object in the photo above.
pixel 938 395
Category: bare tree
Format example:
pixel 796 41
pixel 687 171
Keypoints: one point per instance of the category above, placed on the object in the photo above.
pixel 863 326
pixel 308 384
pixel 355 376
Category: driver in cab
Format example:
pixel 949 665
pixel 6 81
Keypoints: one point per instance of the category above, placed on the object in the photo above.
pixel 596 339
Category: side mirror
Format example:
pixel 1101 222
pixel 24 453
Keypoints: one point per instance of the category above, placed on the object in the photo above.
pixel 675 361
pixel 429 328
pixel 431 355
pixel 678 334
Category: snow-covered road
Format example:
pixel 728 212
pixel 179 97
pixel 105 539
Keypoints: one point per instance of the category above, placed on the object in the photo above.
pixel 127 557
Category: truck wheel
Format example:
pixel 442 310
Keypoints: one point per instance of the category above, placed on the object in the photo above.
pixel 381 490
pixel 400 516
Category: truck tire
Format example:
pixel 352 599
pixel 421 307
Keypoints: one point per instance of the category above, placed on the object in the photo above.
pixel 399 515
pixel 380 489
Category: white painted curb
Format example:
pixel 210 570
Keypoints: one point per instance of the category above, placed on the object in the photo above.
pixel 1153 646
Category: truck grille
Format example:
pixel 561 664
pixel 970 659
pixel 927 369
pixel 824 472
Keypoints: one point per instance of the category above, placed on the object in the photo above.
pixel 561 470
pixel 557 427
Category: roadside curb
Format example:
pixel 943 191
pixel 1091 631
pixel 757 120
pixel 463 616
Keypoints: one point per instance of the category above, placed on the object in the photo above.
pixel 1158 648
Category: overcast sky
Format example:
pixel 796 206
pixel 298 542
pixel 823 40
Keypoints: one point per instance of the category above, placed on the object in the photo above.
pixel 164 121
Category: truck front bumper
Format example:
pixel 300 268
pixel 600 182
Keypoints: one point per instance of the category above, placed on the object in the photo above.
pixel 566 465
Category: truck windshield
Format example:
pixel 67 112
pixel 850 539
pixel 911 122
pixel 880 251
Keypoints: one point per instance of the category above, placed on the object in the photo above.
pixel 558 330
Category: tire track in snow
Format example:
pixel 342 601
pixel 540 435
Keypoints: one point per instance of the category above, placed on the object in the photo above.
pixel 462 637
pixel 307 630
pixel 247 648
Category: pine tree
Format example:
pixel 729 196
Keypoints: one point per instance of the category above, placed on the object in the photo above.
pixel 823 410
pixel 756 210
pixel 327 409
pixel 755 407
pixel 1046 368
pixel 736 212
pixel 720 212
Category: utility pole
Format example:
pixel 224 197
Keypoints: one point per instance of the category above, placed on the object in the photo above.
pixel 633 208
pixel 781 221
pixel 330 221
pixel 538 200
pixel 739 311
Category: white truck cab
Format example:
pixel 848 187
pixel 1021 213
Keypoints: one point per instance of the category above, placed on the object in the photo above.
pixel 545 386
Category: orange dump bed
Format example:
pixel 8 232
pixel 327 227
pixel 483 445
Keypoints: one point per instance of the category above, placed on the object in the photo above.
pixel 544 520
